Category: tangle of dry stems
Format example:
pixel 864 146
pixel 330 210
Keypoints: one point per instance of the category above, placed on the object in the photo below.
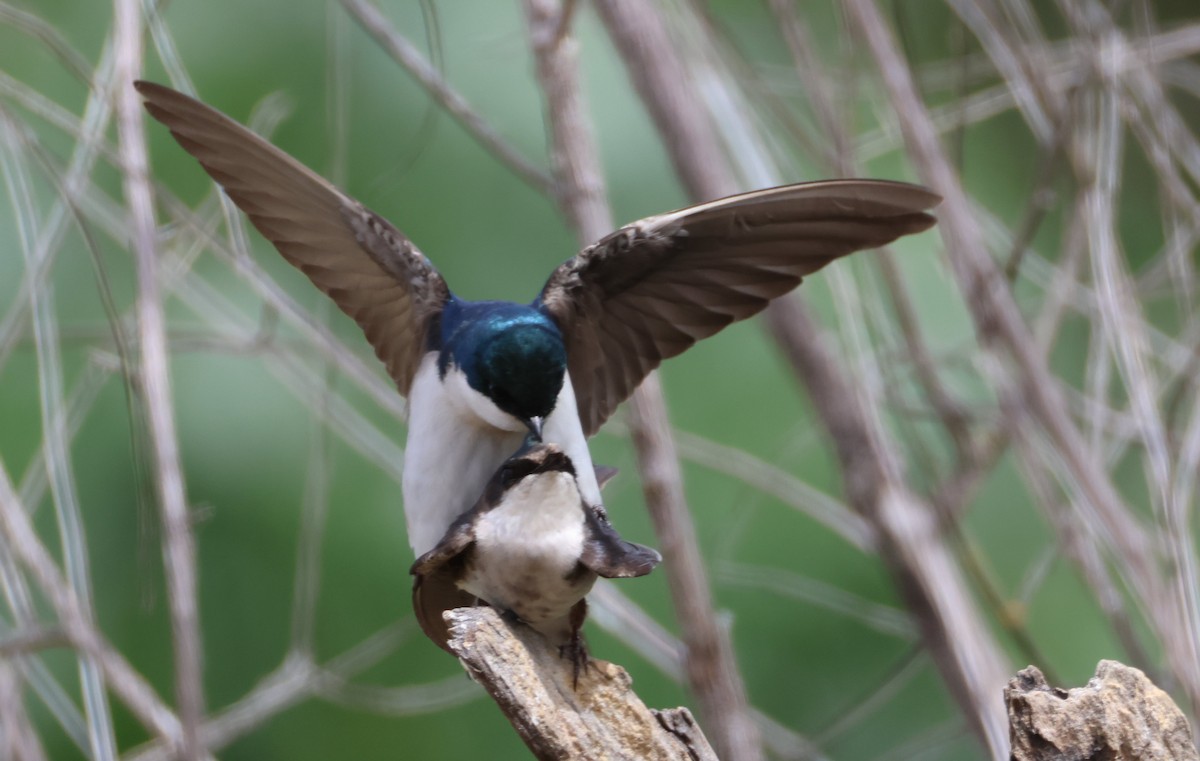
pixel 918 428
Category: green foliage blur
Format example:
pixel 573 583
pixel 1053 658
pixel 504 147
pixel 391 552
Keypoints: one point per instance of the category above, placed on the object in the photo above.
pixel 248 444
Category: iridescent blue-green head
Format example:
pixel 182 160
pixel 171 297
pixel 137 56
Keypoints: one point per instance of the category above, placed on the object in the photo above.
pixel 511 354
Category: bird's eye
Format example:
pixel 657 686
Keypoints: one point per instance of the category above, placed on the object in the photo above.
pixel 508 475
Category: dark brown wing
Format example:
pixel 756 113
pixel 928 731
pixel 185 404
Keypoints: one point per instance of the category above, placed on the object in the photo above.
pixel 433 595
pixel 606 554
pixel 434 575
pixel 653 288
pixel 371 271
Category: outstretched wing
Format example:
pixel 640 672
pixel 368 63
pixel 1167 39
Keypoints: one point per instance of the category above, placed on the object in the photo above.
pixel 653 288
pixel 370 270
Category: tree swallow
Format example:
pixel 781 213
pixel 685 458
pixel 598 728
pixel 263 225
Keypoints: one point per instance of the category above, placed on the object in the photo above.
pixel 531 547
pixel 479 374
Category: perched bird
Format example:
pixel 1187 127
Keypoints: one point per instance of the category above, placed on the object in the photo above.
pixel 532 548
pixel 480 374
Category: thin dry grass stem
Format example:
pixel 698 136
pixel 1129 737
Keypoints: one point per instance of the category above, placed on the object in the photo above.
pixel 710 666
pixel 18 740
pixel 293 369
pixel 1126 90
pixel 313 517
pixel 1072 537
pixel 615 612
pixel 789 585
pixel 667 89
pixel 294 681
pixel 817 83
pixel 179 549
pixel 89 145
pixel 406 700
pixel 405 54
pixel 52 408
pixel 31 640
pixel 315 506
pixel 907 668
pixel 969 659
pixel 38 28
pixel 911 543
pixel 951 413
pixel 999 325
pixel 1117 302
pixel 1093 100
pixel 121 678
pixel 773 480
pixel 19 598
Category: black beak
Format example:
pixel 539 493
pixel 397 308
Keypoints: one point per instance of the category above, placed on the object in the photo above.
pixel 534 424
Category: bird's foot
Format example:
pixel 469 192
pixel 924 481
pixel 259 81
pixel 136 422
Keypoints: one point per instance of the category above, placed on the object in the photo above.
pixel 575 650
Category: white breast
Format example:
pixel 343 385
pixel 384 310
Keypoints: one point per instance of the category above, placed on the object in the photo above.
pixel 453 449
pixel 527 551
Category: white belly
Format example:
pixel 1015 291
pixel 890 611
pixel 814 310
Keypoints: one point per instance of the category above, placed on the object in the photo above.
pixel 527 550
pixel 452 453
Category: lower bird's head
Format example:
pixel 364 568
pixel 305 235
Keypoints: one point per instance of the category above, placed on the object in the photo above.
pixel 514 357
pixel 534 458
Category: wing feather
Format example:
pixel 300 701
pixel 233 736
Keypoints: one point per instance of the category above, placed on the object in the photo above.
pixel 369 268
pixel 650 290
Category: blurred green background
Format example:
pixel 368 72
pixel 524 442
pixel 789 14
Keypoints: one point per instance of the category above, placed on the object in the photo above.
pixel 247 442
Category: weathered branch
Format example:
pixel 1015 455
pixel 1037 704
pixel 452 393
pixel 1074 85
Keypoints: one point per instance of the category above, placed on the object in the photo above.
pixel 1120 715
pixel 600 717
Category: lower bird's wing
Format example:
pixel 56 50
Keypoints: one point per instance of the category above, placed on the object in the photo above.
pixel 606 554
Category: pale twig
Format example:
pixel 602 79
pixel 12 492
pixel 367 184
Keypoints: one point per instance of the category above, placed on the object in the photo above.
pixel 31 640
pixel 122 679
pixel 297 679
pixel 33 670
pixel 998 321
pixel 38 28
pixel 320 336
pixel 401 51
pixel 52 406
pixel 18 740
pixel 911 542
pixel 404 700
pixel 314 514
pixel 710 666
pixel 1117 301
pixel 666 88
pixel 813 77
pixel 789 585
pixel 787 488
pixel 905 671
pixel 968 658
pixel 621 617
pixel 179 550
pixel 315 509
pixel 89 145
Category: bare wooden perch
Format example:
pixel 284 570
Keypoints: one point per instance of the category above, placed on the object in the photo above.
pixel 600 718
pixel 1120 715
